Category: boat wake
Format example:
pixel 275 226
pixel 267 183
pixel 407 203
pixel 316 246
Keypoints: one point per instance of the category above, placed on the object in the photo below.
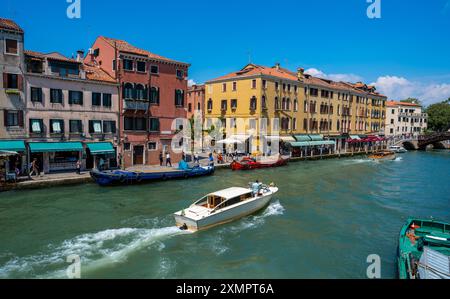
pixel 96 250
pixel 398 159
pixel 274 209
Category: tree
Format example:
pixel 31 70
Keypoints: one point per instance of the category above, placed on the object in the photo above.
pixel 439 116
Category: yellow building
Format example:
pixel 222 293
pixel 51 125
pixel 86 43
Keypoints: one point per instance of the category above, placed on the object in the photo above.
pixel 259 101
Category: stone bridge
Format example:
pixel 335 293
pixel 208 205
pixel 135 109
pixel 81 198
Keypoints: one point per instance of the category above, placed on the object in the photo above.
pixel 422 141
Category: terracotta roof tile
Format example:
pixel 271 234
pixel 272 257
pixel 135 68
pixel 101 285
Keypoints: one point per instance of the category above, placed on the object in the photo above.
pixel 52 55
pixel 96 73
pixel 126 47
pixel 397 103
pixel 10 25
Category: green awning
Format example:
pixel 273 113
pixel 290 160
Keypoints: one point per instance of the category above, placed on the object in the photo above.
pixel 12 145
pixel 99 148
pixel 312 143
pixel 317 137
pixel 45 147
pixel 302 138
pixel 355 137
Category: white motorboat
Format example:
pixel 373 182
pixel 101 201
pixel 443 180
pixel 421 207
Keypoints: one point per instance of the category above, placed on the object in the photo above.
pixel 224 206
pixel 397 149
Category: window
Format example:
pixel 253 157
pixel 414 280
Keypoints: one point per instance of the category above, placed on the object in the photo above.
pixel 295 105
pixel 95 126
pixel 109 127
pixel 64 69
pixel 199 106
pixel 253 103
pixel 56 96
pixel 189 107
pixel 36 94
pixel 126 146
pixel 295 88
pixel 154 69
pixel 75 126
pixel 36 126
pixel 96 99
pixel 140 92
pixel 234 86
pixel 141 67
pixel 114 66
pixel 154 124
pixel 135 124
pixel 210 104
pixel 277 85
pixel 254 84
pixel 294 124
pixel 263 102
pixel 107 102
pixel 180 74
pixel 152 146
pixel 75 97
pixel 179 98
pixel 11 46
pixel 314 92
pixel 11 81
pixel 154 95
pixel 224 87
pixel 252 123
pixel 13 118
pixel 264 84
pixel 56 126
pixel 128 64
pixel 223 105
pixel 128 91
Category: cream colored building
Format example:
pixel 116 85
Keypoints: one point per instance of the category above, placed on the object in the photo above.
pixel 405 119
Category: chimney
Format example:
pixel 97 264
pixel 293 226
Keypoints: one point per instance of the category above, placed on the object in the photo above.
pixel 300 74
pixel 277 66
pixel 80 55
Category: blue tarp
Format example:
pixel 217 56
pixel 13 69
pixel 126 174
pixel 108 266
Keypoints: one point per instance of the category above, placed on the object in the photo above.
pixel 183 165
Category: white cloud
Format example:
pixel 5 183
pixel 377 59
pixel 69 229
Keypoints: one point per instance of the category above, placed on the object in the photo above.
pixel 399 88
pixel 335 77
pixel 191 82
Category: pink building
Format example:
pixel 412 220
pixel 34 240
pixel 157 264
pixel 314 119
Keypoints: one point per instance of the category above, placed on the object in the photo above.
pixel 195 100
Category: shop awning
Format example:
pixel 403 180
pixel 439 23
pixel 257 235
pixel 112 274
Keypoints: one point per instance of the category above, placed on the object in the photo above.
pixel 99 148
pixel 355 137
pixel 280 138
pixel 45 147
pixel 302 138
pixel 12 145
pixel 316 137
pixel 312 143
pixel 8 153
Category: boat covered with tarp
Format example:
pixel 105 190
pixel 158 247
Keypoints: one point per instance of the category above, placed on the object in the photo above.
pixel 424 250
pixel 248 163
pixel 124 177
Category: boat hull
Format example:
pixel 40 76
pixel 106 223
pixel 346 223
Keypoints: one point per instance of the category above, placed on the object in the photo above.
pixel 120 177
pixel 250 165
pixel 225 216
pixel 383 156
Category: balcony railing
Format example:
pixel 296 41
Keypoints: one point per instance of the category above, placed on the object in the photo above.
pixel 135 105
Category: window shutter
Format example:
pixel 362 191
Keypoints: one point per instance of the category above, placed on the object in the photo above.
pixel 123 91
pixel 20 118
pixel 5 80
pixel 157 95
pixel 91 126
pixel 61 124
pixel 134 92
pixel 20 82
pixel 105 126
pixel 5 117
pixel 113 127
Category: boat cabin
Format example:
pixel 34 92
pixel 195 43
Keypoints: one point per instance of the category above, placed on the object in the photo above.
pixel 225 198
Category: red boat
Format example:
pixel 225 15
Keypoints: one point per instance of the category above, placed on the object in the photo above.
pixel 248 163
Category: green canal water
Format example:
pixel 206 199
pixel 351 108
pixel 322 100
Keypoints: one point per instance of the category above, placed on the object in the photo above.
pixel 326 219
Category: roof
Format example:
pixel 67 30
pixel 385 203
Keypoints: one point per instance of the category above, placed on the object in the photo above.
pixel 96 73
pixel 283 73
pixel 196 87
pixel 52 55
pixel 231 192
pixel 10 25
pixel 397 103
pixel 124 46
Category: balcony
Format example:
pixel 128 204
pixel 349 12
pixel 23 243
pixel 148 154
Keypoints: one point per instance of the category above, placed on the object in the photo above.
pixel 135 105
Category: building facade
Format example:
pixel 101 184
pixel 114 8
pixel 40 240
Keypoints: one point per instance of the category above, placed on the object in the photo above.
pixel 277 101
pixel 152 97
pixel 195 101
pixel 72 112
pixel 404 119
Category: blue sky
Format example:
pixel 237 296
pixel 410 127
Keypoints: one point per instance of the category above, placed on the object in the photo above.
pixel 406 52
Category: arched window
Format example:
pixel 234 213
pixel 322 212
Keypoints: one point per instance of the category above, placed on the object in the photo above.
pixel 277 104
pixel 154 95
pixel 210 104
pixel 199 106
pixel 288 104
pixel 179 98
pixel 253 103
pixel 140 92
pixel 295 105
pixel 128 91
pixel 263 102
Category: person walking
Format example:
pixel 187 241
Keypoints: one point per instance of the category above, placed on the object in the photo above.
pixel 168 162
pixel 35 168
pixel 78 166
pixel 161 159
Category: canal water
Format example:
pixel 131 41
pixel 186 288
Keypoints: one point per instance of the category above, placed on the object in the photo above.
pixel 327 218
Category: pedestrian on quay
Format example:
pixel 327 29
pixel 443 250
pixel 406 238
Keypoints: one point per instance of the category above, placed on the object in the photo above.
pixel 196 158
pixel 161 159
pixel 168 162
pixel 78 166
pixel 35 168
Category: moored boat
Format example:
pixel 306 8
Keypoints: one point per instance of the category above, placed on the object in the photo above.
pixel 383 155
pixel 122 177
pixel 224 206
pixel 248 163
pixel 397 149
pixel 424 250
